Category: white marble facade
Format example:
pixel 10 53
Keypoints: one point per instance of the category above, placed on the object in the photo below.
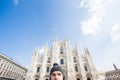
pixel 76 65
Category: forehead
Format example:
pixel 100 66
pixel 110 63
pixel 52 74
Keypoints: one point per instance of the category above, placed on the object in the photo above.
pixel 56 72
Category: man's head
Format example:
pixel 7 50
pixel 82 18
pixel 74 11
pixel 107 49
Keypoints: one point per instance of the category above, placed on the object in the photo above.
pixel 56 72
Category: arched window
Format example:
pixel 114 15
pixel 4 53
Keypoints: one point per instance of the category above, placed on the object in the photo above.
pixel 47 70
pixel 74 59
pixel 77 79
pixel 48 60
pixel 88 78
pixel 61 61
pixel 76 68
pixel 85 67
pixel 61 50
pixel 38 69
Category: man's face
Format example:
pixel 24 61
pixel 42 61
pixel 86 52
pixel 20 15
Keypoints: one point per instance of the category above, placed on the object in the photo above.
pixel 56 75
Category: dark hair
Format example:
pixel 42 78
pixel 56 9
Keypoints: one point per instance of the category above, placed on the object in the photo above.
pixel 56 67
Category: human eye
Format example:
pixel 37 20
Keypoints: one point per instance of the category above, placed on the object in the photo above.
pixel 59 74
pixel 53 74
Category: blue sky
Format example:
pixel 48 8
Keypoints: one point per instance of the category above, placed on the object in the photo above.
pixel 27 24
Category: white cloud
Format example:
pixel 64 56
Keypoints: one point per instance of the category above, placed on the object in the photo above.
pixel 115 33
pixel 16 2
pixel 91 26
pixel 96 11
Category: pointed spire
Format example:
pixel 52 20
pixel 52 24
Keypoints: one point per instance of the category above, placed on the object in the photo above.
pixel 67 39
pixel 35 51
pixel 115 67
pixel 46 46
pixel 67 43
pixel 87 51
pixel 55 39
pixel 54 42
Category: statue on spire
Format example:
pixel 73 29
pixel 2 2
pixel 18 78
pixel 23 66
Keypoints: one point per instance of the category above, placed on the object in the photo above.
pixel 115 67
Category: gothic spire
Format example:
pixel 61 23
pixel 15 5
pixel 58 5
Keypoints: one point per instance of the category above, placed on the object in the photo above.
pixel 87 51
pixel 55 39
pixel 67 39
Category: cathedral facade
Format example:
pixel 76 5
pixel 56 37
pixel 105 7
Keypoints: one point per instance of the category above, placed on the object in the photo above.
pixel 76 65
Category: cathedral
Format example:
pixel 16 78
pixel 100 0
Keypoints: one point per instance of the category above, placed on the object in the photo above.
pixel 76 65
